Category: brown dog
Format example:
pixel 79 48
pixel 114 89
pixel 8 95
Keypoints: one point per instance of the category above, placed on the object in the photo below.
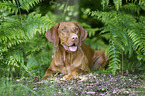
pixel 72 57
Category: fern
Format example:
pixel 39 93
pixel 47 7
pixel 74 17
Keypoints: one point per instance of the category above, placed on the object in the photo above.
pixel 21 37
pixel 11 6
pixel 117 4
pixel 122 28
pixel 14 5
pixel 27 4
pixel 25 51
pixel 137 40
pixel 132 7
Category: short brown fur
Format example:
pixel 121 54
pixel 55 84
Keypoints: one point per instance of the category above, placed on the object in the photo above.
pixel 69 61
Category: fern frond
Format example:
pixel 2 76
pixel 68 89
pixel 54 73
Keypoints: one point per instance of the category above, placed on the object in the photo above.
pixel 92 31
pixel 14 32
pixel 113 56
pixel 35 23
pixel 27 4
pixel 117 4
pixel 32 62
pixel 137 40
pixel 11 6
pixel 142 4
pixel 105 3
pixel 14 5
pixel 132 7
pixel 15 58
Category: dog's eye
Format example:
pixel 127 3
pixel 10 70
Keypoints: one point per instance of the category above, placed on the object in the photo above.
pixel 63 29
pixel 76 29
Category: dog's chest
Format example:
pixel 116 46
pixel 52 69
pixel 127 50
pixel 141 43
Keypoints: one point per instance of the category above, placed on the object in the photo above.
pixel 67 59
pixel 72 61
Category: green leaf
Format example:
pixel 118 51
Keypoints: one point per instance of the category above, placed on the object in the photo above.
pixel 117 4
pixel 32 62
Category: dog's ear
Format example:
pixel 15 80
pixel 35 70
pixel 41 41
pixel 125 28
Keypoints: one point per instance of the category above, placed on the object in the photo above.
pixel 83 33
pixel 52 35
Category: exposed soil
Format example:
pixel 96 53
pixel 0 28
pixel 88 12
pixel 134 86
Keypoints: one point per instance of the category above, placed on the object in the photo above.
pixel 94 84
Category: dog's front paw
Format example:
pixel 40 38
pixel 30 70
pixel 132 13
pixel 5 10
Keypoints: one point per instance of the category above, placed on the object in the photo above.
pixel 44 78
pixel 70 76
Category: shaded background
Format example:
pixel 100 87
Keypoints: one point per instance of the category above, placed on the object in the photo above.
pixel 114 25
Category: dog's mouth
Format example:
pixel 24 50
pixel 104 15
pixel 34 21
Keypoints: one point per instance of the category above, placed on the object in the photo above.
pixel 71 48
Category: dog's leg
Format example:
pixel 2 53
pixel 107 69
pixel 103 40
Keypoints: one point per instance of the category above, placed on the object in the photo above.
pixel 100 62
pixel 48 74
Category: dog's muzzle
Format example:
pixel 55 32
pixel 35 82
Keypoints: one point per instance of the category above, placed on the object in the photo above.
pixel 72 48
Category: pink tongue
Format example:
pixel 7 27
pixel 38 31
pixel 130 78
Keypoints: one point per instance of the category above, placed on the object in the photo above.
pixel 72 48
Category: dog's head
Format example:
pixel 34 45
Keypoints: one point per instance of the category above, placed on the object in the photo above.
pixel 68 34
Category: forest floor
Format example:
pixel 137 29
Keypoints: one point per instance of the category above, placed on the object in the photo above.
pixel 95 84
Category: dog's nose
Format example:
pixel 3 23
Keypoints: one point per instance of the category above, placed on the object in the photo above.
pixel 74 38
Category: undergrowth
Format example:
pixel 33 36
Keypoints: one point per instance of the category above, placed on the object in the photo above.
pixel 25 52
pixel 125 26
pixel 27 87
